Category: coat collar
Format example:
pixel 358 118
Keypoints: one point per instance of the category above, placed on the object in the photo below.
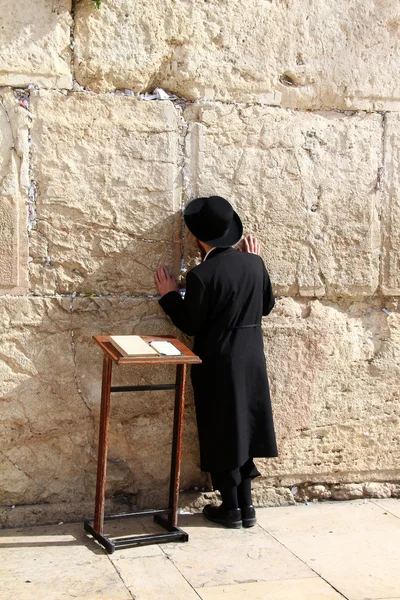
pixel 215 251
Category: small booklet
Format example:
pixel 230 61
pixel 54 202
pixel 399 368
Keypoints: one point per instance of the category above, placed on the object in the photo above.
pixel 133 345
pixel 166 348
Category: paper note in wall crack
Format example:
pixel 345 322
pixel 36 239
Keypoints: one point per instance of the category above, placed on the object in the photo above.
pixel 166 348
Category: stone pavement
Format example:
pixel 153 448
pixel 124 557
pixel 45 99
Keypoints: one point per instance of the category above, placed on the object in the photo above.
pixel 324 551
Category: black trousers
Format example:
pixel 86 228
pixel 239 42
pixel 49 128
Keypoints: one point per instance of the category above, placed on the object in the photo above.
pixel 234 477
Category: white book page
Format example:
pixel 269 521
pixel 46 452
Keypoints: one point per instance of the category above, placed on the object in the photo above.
pixel 132 345
pixel 166 348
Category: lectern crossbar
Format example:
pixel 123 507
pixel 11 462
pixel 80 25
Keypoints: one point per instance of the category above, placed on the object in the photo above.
pixel 147 512
pixel 143 388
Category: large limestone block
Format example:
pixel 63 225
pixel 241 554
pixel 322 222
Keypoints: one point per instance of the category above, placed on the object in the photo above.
pixel 46 426
pixel 391 208
pixel 303 54
pixel 334 371
pixel 108 207
pixel 140 422
pixel 14 183
pixel 304 183
pixel 35 39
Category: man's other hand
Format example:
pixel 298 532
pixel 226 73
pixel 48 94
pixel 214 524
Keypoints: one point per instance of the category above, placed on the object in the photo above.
pixel 164 281
pixel 251 245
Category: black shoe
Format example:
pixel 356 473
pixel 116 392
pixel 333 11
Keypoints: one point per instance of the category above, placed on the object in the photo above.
pixel 249 516
pixel 229 518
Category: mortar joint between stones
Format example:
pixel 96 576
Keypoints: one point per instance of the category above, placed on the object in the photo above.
pixel 380 189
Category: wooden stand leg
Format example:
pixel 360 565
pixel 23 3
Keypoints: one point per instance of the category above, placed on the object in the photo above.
pixel 103 445
pixel 177 444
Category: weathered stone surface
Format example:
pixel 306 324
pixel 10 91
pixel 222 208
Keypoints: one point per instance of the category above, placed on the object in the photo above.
pixel 315 492
pixel 394 490
pixel 193 502
pixel 334 372
pixel 391 207
pixel 302 54
pixel 349 491
pixel 303 183
pixel 325 360
pixel 51 373
pixel 108 207
pixel 377 490
pixel 267 495
pixel 14 183
pixel 35 514
pixel 35 38
pixel 264 495
pixel 141 423
pixel 344 491
pixel 46 426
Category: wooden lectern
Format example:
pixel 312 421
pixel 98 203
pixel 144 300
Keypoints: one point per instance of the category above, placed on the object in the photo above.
pixel 167 518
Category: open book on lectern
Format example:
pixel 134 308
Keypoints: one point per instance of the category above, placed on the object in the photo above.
pixel 134 345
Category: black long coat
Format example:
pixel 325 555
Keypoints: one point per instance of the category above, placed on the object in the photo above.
pixel 226 296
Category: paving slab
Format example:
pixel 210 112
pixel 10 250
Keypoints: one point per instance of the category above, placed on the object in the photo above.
pixel 219 556
pixel 392 505
pixel 311 588
pixel 146 571
pixel 323 551
pixel 56 563
pixel 153 578
pixel 353 545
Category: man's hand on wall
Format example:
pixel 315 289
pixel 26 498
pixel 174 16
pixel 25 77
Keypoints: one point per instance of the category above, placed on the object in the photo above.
pixel 251 245
pixel 164 281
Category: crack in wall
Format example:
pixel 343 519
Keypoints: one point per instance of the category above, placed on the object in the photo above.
pixel 78 389
pixel 72 41
pixel 386 212
pixel 39 488
pixel 338 300
pixel 11 183
pixel 14 145
pixel 72 295
pixel 76 381
pixel 32 191
pixel 379 204
pixel 180 108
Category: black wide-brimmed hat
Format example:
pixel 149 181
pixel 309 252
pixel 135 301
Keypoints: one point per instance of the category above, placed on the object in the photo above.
pixel 213 221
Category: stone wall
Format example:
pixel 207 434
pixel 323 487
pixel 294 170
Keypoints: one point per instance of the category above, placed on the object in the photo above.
pixel 290 110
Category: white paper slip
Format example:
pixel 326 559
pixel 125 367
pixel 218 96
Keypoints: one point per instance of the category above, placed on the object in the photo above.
pixel 166 348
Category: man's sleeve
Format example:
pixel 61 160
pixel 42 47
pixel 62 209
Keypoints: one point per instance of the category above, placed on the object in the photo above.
pixel 187 314
pixel 268 296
